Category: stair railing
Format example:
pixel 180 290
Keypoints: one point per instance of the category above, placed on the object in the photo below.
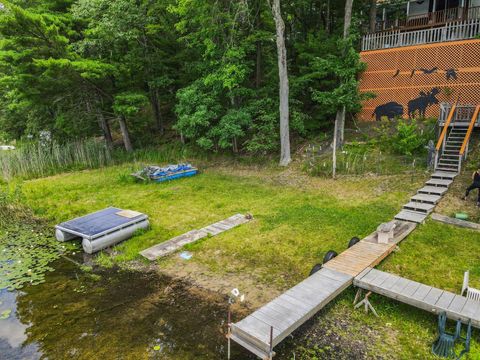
pixel 464 149
pixel 443 135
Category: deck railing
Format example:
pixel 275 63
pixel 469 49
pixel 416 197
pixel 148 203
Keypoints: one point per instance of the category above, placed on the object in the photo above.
pixel 463 114
pixel 430 19
pixel 450 32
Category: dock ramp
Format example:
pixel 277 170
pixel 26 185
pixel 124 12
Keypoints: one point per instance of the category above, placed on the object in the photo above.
pixel 269 325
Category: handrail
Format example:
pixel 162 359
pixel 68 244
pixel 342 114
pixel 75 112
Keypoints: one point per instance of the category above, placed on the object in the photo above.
pixel 470 130
pixel 447 124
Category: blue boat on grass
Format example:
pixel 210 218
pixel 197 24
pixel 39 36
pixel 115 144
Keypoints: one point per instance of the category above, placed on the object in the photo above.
pixel 170 172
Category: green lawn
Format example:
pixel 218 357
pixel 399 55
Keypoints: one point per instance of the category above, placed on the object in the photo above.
pixel 297 219
pixel 294 224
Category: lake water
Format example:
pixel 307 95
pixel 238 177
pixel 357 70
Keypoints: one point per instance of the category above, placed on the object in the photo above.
pixel 113 314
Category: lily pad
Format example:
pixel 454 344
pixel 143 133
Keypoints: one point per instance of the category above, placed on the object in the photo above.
pixel 25 253
pixel 5 314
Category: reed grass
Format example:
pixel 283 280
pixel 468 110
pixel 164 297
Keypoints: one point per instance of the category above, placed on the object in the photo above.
pixel 35 160
pixel 372 162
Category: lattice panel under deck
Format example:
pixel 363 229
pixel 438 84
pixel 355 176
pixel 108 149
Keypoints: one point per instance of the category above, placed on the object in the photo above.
pixel 389 74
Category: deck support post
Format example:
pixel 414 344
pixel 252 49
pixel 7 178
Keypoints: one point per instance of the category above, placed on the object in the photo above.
pixel 270 353
pixel 365 302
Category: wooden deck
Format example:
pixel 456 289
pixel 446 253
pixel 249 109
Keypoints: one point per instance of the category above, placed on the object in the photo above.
pixel 172 245
pixel 269 325
pixel 419 295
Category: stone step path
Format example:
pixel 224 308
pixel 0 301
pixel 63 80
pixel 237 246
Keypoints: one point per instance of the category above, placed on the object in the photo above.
pixel 424 202
pixel 425 198
pixel 172 245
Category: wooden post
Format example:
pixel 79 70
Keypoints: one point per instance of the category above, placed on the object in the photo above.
pixel 229 332
pixel 271 343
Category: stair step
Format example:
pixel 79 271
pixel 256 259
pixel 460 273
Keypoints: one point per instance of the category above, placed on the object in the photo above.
pixel 419 207
pixel 432 190
pixel 445 160
pixel 443 175
pixel 447 163
pixel 439 182
pixel 428 199
pixel 411 216
pixel 446 169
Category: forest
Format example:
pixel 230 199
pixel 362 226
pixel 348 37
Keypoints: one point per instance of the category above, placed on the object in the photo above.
pixel 138 73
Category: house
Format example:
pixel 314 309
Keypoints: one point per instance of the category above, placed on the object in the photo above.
pixel 421 54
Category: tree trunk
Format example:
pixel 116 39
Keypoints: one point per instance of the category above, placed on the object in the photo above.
pixel 102 122
pixel 373 15
pixel 258 68
pixel 327 23
pixel 156 110
pixel 107 134
pixel 348 18
pixel 285 157
pixel 340 118
pixel 339 132
pixel 126 136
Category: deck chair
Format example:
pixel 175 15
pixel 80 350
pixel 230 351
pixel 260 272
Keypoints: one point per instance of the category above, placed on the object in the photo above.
pixel 471 293
pixel 444 345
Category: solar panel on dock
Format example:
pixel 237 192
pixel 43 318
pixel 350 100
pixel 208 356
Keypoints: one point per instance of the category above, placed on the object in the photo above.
pixel 98 223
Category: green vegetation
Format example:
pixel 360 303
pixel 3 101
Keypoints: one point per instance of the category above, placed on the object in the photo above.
pixel 26 245
pixel 204 72
pixel 33 160
pixel 297 219
pixel 389 148
pixel 453 202
pixel 292 231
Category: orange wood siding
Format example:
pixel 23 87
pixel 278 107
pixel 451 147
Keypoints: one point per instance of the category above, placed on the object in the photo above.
pixel 382 65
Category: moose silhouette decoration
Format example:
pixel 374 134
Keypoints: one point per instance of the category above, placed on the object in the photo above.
pixel 390 110
pixel 422 102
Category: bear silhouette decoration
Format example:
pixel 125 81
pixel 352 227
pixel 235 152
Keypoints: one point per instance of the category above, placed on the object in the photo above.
pixel 390 110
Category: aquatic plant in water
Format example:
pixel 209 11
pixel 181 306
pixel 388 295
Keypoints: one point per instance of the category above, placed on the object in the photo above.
pixel 25 255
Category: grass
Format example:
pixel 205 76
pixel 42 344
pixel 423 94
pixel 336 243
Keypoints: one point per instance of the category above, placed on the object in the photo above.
pixel 453 202
pixel 294 226
pixel 297 219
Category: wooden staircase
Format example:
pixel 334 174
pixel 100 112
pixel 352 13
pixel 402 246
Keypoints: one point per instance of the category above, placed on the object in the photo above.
pixel 452 149
pixel 449 160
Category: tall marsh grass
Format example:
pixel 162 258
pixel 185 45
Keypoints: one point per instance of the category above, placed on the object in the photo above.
pixel 363 163
pixel 35 160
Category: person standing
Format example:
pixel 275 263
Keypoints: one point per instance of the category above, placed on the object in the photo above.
pixel 475 185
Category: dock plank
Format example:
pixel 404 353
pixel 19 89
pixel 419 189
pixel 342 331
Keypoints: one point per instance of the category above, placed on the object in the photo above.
pixel 174 244
pixel 422 296
pixel 284 314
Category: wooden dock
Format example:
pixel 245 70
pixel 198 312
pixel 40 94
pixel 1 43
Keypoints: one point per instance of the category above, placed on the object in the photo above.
pixel 261 331
pixel 368 252
pixel 422 296
pixel 172 245
pixel 269 325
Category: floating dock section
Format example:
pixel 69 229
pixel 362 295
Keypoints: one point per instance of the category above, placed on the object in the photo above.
pixel 261 331
pixel 103 228
pixel 422 296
